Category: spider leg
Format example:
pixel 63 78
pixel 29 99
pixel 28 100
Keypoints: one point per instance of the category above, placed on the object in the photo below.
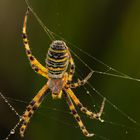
pixel 76 116
pixel 33 61
pixel 34 104
pixel 81 82
pixel 84 109
pixel 71 73
pixel 72 69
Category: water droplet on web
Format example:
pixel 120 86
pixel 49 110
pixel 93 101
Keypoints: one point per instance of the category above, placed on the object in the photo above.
pixel 87 92
pixel 12 131
pixel 126 132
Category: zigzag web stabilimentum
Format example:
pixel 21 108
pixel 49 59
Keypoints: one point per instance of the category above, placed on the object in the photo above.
pixel 89 89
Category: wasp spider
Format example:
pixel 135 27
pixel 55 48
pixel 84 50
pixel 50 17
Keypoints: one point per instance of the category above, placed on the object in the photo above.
pixel 59 72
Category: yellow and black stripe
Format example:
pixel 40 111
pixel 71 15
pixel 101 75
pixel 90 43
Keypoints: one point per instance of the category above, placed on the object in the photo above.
pixel 35 64
pixel 76 116
pixel 72 69
pixel 32 107
pixel 91 114
pixel 57 59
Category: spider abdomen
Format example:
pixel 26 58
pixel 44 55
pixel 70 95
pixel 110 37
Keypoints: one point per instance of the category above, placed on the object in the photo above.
pixel 57 59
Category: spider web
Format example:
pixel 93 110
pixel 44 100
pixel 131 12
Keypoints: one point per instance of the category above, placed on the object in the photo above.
pixel 90 90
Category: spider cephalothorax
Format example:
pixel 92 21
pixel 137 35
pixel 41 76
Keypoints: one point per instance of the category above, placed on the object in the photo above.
pixel 59 73
pixel 56 85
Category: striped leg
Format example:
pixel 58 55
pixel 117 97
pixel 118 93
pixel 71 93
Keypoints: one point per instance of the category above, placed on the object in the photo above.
pixel 83 109
pixel 81 82
pixel 33 61
pixel 72 69
pixel 34 104
pixel 77 117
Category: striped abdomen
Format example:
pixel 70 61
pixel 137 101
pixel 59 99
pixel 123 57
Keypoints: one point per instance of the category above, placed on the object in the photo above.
pixel 57 59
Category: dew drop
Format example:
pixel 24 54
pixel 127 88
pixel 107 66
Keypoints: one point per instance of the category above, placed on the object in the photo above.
pixel 126 132
pixel 12 131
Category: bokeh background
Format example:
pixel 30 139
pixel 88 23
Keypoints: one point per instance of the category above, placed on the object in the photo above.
pixel 107 29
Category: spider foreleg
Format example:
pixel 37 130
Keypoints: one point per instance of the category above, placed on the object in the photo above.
pixel 34 104
pixel 76 116
pixel 33 61
pixel 92 115
pixel 72 69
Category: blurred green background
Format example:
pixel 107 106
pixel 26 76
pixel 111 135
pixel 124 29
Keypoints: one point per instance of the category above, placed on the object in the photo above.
pixel 108 30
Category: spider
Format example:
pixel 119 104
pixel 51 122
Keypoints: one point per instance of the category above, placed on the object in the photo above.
pixel 59 73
